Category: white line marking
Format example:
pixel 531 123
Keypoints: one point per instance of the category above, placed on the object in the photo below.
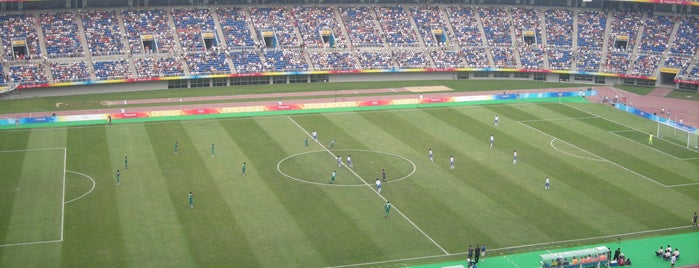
pixel 344 185
pixel 571 154
pixel 88 192
pixel 31 150
pixel 370 187
pixel 613 163
pixel 31 243
pixel 560 119
pixel 643 144
pixel 63 195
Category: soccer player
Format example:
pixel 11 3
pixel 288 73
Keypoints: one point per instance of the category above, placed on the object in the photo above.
pixel 109 119
pixel 213 150
pixel 383 174
pixel 387 209
pixel 176 147
pixel 339 161
pixel 492 140
pixel 118 175
pixel 305 143
pixel 694 220
pixel 332 144
pixel 243 169
pixel 429 154
pixel 191 200
pixel 315 135
pixel 495 122
pixel 514 157
pixel 126 162
pixel 451 162
pixel 547 184
pixel 332 177
pixel 378 185
pixel 349 161
pixel 650 137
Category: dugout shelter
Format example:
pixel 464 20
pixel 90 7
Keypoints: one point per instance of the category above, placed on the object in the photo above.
pixel 588 257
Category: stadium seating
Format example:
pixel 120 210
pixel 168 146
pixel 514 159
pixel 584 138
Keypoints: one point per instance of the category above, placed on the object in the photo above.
pixel 323 60
pixel 496 26
pixel 559 26
pixel 235 30
pixel 190 23
pixel 207 63
pixel 69 72
pixel 687 37
pixel 246 62
pixel 3 80
pixel 105 70
pixel 463 21
pixel 102 32
pixel 365 37
pixel 446 59
pixel 312 20
pixel 158 67
pixel 276 19
pixel 428 19
pixel 360 26
pixel 17 27
pixel 28 74
pixel 148 23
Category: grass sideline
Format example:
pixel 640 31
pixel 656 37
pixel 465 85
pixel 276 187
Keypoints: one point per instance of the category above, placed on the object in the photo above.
pixel 600 187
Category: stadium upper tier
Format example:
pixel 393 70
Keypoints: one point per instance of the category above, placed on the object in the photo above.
pixel 40 47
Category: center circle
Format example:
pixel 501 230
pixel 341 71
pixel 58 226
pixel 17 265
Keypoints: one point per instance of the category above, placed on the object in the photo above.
pixel 316 167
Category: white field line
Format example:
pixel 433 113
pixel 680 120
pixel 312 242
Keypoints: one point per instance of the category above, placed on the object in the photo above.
pixel 610 120
pixel 88 192
pixel 63 195
pixel 571 154
pixel 642 144
pixel 32 150
pixel 560 119
pixel 613 163
pixel 617 236
pixel 377 193
pixel 31 243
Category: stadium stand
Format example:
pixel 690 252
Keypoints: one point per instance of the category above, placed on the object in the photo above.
pixel 276 20
pixel 69 72
pixel 20 28
pixel 61 35
pixel 207 63
pixel 236 32
pixel 102 32
pixel 323 60
pixel 429 20
pixel 465 25
pixel 496 26
pixel 28 74
pixel 191 24
pixel 3 79
pixel 446 59
pixel 158 67
pixel 246 62
pixel 360 26
pixel 591 25
pixel 153 42
pixel 312 21
pixel 118 69
pixel 148 31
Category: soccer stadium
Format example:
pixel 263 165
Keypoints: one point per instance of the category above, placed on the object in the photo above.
pixel 349 133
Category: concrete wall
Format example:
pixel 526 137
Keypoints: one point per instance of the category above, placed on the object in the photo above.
pixel 391 77
pixel 88 89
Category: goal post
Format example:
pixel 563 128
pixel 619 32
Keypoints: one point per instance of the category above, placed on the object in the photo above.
pixel 677 132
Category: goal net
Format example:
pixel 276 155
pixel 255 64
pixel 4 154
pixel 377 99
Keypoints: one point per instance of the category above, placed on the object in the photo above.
pixel 678 133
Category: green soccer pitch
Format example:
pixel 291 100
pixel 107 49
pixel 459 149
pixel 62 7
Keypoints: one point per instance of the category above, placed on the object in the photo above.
pixel 607 182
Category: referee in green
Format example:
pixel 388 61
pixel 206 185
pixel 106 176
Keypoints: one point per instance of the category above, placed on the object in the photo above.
pixel 387 209
pixel 191 200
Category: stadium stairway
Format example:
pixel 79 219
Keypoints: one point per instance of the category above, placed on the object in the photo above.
pixel 488 53
pixel 83 41
pixel 574 65
pixel 220 37
pixel 605 47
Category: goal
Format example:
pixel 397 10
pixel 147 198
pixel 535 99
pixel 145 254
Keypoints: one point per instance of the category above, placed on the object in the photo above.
pixel 678 133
